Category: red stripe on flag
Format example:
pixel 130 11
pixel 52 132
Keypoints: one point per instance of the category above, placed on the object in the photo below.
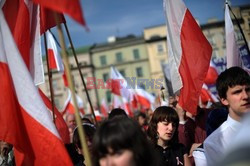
pixel 17 16
pixel 52 61
pixel 47 19
pixel 145 103
pixel 35 144
pixel 196 55
pixel 72 8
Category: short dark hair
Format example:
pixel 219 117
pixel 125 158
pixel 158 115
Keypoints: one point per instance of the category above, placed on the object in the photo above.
pixel 89 130
pixel 117 112
pixel 122 133
pixel 230 78
pixel 163 113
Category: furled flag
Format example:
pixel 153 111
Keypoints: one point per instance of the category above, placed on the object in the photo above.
pixel 189 54
pixel 166 72
pixel 69 106
pixel 70 7
pixel 23 19
pixel 55 61
pixel 25 121
pixel 104 108
pixel 232 50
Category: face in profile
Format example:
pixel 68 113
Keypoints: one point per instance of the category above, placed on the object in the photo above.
pixel 122 157
pixel 165 130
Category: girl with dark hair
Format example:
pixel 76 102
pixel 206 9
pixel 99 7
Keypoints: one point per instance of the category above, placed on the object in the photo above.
pixel 120 141
pixel 163 133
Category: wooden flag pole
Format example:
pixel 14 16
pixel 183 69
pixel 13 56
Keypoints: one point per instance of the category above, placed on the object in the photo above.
pixel 81 75
pixel 85 150
pixel 50 77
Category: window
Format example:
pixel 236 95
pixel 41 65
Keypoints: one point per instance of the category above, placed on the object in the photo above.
pixel 139 72
pixel 108 96
pixel 105 77
pixel 136 54
pixel 122 73
pixel 103 60
pixel 160 48
pixel 118 57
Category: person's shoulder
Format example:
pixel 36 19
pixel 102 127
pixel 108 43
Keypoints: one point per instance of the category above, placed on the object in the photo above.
pixel 217 134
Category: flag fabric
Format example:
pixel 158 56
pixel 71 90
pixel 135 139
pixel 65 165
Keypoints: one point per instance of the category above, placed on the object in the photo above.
pixel 167 76
pixel 207 96
pixel 24 120
pixel 69 105
pixel 119 85
pixel 55 61
pixel 23 19
pixel 232 51
pixel 72 8
pixel 189 54
pixel 104 108
pixel 212 74
pixel 47 19
pixel 61 125
pixel 145 99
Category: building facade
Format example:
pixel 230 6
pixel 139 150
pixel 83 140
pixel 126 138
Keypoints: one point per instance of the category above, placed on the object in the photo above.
pixel 128 54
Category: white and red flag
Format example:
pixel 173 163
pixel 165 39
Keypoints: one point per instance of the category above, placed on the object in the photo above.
pixel 144 98
pixel 69 105
pixel 23 19
pixel 120 87
pixel 104 108
pixel 55 60
pixel 232 50
pixel 25 121
pixel 212 74
pixel 189 54
pixel 207 96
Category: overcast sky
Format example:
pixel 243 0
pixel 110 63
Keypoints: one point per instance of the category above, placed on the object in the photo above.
pixel 122 17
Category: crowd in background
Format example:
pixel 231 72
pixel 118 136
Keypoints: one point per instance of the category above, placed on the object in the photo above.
pixel 166 136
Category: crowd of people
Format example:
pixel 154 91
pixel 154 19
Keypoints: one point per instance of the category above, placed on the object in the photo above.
pixel 170 136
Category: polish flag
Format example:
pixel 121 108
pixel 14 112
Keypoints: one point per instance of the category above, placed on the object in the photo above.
pixel 47 19
pixel 25 121
pixel 212 74
pixel 232 51
pixel 72 8
pixel 23 18
pixel 121 102
pixel 144 98
pixel 189 54
pixel 60 123
pixel 55 61
pixel 69 105
pixel 119 86
pixel 207 96
pixel 117 102
pixel 104 108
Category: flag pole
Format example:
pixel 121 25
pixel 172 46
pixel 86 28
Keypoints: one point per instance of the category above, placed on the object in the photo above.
pixel 50 77
pixel 238 24
pixel 81 75
pixel 83 141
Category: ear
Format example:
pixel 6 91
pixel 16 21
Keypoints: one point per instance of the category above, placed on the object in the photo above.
pixel 224 101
